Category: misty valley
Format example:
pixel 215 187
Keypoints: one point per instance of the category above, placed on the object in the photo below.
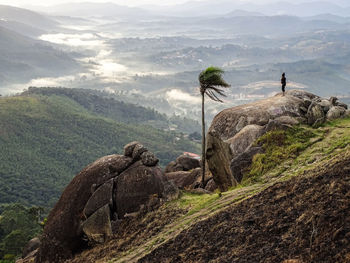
pixel 151 58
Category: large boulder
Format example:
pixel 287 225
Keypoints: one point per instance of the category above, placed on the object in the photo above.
pixel 136 185
pixel 62 232
pixel 182 179
pixel 182 163
pixel 235 130
pixel 100 194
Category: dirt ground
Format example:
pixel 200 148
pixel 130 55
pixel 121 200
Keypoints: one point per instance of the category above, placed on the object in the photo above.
pixel 306 218
pixel 130 233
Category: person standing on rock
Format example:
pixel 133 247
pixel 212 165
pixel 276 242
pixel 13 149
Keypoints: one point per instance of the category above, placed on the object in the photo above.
pixel 283 82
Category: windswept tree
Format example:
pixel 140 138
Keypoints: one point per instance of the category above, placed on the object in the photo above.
pixel 211 84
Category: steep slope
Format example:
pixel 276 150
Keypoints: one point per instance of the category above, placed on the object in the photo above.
pixel 27 17
pixel 297 210
pixel 46 140
pixel 23 58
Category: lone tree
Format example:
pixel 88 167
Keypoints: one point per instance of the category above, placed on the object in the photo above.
pixel 211 84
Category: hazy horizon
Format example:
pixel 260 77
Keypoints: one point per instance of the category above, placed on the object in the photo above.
pixel 140 3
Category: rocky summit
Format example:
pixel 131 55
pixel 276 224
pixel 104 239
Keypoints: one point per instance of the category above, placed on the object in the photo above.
pixel 96 201
pixel 233 131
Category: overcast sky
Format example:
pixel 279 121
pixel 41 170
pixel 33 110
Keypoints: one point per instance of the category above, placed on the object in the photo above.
pixel 123 2
pixel 28 3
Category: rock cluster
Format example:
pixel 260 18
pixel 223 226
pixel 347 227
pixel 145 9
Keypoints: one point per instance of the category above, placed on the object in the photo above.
pixel 105 192
pixel 234 130
pixel 186 174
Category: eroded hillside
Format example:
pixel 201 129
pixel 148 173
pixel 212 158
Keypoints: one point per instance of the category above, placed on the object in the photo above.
pixel 298 209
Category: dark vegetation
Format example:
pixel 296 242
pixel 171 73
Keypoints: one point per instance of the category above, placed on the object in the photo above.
pixel 18 225
pixel 47 139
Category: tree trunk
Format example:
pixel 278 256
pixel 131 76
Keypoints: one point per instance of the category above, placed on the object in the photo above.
pixel 203 142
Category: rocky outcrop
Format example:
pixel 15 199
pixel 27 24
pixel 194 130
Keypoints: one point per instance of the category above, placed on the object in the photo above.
pixel 234 130
pixel 105 191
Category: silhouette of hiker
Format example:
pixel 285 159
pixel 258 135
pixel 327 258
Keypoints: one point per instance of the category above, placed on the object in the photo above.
pixel 283 82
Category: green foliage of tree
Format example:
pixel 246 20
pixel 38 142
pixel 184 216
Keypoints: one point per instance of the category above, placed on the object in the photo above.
pixel 45 140
pixel 18 225
pixel 211 84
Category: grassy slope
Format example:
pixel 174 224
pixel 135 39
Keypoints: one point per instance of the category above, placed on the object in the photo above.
pixel 328 145
pixel 46 140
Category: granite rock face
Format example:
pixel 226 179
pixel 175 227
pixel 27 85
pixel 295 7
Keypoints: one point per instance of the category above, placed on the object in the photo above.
pixel 234 130
pixel 103 192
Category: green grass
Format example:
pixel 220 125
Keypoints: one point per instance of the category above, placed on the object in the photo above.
pixel 195 202
pixel 278 146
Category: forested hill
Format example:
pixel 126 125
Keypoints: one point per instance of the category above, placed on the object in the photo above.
pixel 46 139
pixel 101 103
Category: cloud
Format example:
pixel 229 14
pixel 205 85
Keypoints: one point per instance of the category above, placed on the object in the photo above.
pixel 180 96
pixel 75 40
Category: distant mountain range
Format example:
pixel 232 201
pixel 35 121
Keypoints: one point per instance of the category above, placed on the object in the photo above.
pixel 89 9
pixel 202 8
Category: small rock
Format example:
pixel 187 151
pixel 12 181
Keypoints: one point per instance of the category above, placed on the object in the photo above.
pixel 333 100
pixel 343 105
pixel 32 245
pixel 315 114
pixel 335 113
pixel 211 185
pixel 149 159
pixel 326 105
pixel 138 150
pixel 171 192
pixel 129 148
pixel 347 113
